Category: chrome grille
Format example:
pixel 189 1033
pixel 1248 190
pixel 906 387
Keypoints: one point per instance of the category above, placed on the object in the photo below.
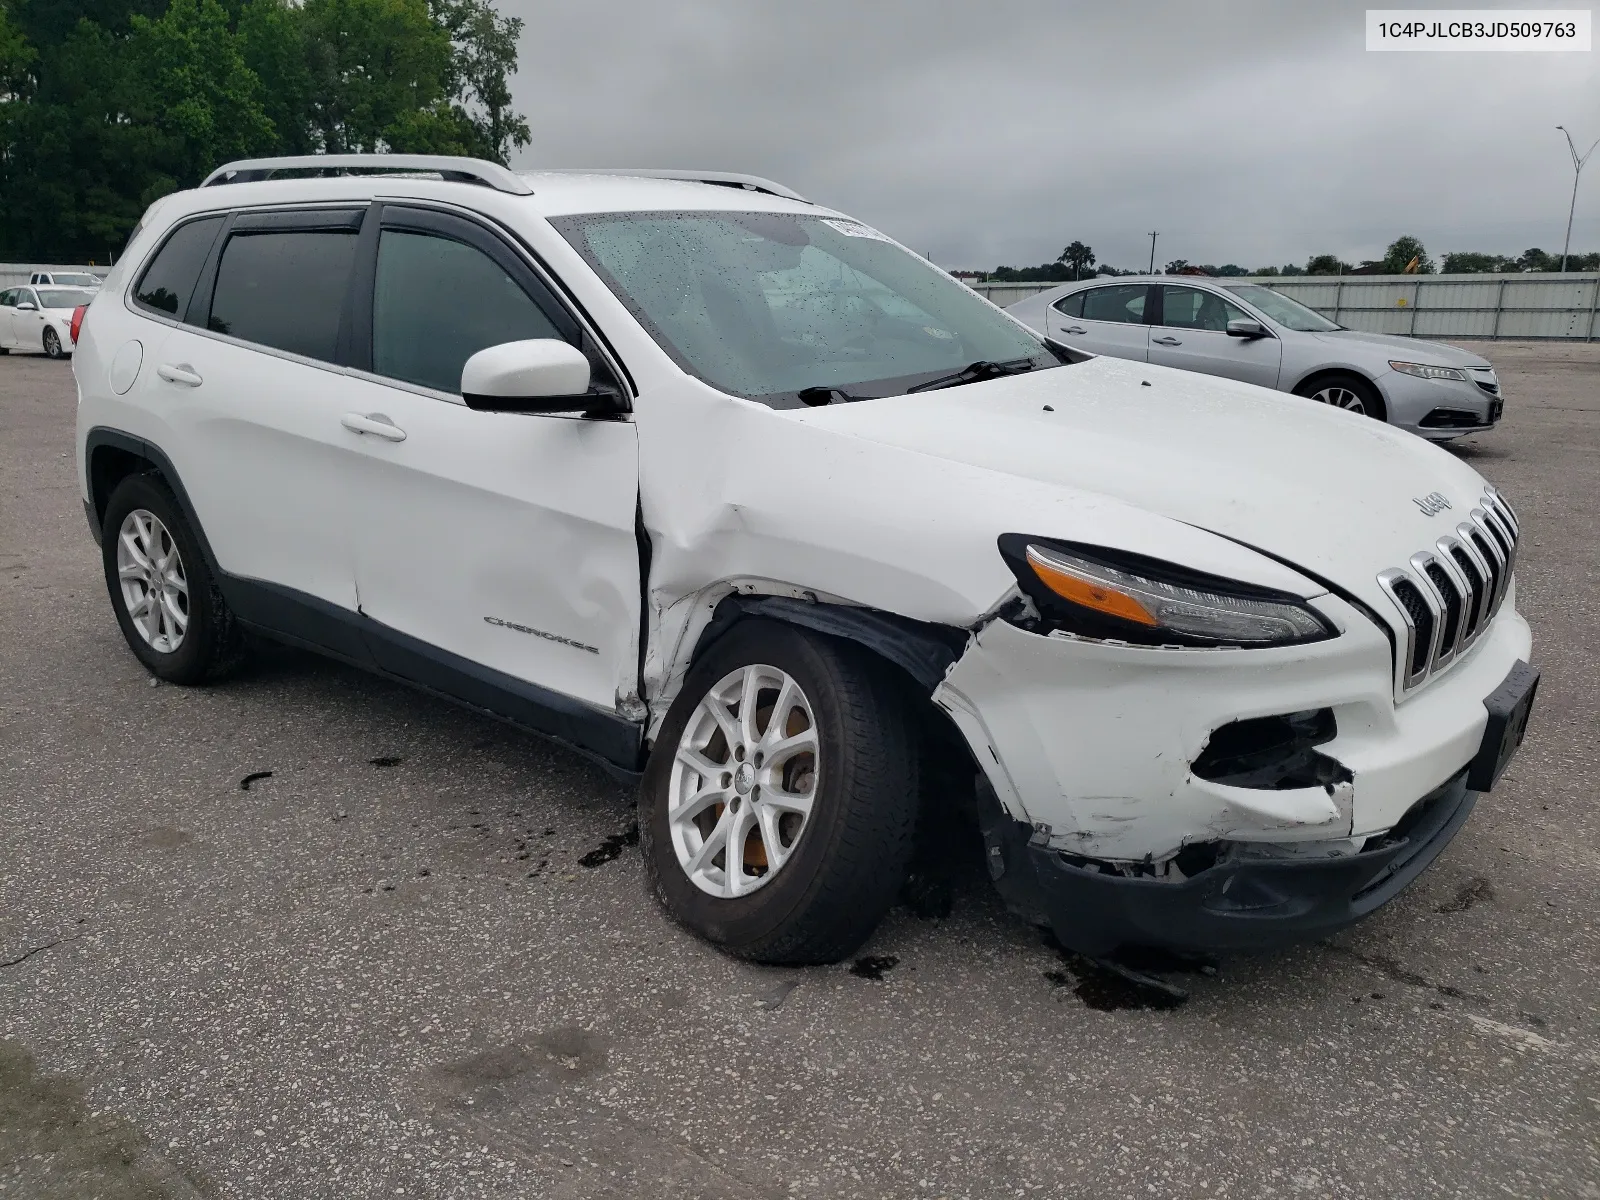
pixel 1448 594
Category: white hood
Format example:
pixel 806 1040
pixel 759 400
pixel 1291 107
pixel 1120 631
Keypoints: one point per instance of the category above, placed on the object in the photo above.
pixel 1329 491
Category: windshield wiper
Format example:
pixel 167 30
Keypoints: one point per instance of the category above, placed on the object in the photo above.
pixel 975 373
pixel 816 397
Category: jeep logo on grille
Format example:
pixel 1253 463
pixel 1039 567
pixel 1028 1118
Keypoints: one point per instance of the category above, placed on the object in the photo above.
pixel 1432 504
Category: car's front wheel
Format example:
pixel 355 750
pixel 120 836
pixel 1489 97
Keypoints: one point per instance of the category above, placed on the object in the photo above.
pixel 1349 392
pixel 778 807
pixel 171 613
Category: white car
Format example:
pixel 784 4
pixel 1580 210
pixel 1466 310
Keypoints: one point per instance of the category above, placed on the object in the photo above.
pixel 1248 332
pixel 40 319
pixel 73 279
pixel 744 499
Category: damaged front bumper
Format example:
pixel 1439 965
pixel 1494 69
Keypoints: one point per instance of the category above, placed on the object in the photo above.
pixel 1139 794
pixel 1237 904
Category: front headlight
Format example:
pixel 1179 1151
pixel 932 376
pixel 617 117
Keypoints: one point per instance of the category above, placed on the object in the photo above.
pixel 1423 371
pixel 1134 599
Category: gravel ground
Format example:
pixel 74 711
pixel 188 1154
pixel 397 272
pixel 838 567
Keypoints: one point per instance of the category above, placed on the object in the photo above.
pixel 408 958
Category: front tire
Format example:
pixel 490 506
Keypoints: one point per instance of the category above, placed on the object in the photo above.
pixel 52 344
pixel 167 603
pixel 777 811
pixel 1349 392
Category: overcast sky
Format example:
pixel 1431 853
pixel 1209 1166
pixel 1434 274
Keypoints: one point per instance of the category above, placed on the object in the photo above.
pixel 996 131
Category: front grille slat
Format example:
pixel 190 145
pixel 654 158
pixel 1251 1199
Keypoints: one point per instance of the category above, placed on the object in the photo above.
pixel 1448 596
pixel 1477 585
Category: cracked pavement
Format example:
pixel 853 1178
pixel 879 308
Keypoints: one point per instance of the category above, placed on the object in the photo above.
pixel 311 934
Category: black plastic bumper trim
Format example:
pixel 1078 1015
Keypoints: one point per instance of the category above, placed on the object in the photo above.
pixel 1234 906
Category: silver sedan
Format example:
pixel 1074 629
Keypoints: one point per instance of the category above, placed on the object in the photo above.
pixel 1249 332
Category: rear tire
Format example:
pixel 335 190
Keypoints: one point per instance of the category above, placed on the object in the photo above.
pixel 167 603
pixel 52 344
pixel 826 884
pixel 1349 392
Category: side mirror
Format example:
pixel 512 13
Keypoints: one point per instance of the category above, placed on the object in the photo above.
pixel 1247 329
pixel 27 306
pixel 540 375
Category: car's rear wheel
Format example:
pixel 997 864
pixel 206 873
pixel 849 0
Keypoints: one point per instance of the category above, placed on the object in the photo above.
pixel 168 606
pixel 1349 392
pixel 778 808
pixel 52 344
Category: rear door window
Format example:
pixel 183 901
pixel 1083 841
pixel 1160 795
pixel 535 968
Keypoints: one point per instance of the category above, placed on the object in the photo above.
pixel 168 282
pixel 284 288
pixel 1123 304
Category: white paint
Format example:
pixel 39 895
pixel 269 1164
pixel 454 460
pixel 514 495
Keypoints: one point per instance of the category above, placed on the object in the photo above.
pixel 538 367
pixel 894 504
pixel 125 367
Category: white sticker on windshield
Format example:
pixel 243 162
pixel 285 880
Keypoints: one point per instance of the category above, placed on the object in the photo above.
pixel 856 229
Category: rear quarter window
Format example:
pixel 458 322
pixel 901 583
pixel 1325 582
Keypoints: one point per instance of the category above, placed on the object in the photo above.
pixel 1070 306
pixel 168 282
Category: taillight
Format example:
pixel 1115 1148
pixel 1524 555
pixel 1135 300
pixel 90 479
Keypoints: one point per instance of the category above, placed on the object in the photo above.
pixel 77 320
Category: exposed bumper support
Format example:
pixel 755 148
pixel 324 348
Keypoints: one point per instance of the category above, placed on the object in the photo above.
pixel 1235 905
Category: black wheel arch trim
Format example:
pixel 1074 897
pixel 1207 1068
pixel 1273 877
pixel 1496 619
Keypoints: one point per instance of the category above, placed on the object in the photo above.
pixel 924 651
pixel 101 437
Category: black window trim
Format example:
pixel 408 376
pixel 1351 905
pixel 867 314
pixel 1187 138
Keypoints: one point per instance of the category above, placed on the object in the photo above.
pixel 1219 293
pixel 200 302
pixel 502 246
pixel 311 218
pixel 1152 301
pixel 136 277
pixel 517 250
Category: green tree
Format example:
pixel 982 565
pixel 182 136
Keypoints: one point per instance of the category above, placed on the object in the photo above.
pixel 1404 251
pixel 1537 260
pixel 1325 264
pixel 483 59
pixel 1462 262
pixel 1078 256
pixel 379 74
pixel 192 96
pixel 272 42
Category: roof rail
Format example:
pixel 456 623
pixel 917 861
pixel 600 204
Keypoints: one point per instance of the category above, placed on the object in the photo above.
pixel 733 179
pixel 449 168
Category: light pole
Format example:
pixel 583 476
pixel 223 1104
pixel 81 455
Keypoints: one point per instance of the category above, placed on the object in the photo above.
pixel 1577 170
pixel 1153 233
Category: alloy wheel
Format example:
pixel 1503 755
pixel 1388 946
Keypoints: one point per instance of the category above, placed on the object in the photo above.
pixel 1340 397
pixel 155 589
pixel 743 781
pixel 52 344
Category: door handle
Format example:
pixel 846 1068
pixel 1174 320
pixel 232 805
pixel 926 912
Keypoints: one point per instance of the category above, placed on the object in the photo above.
pixel 180 373
pixel 374 423
pixel 1074 329
pixel 1166 341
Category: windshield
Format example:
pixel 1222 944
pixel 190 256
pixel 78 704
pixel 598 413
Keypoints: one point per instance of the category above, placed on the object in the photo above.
pixel 767 305
pixel 63 297
pixel 1291 314
pixel 72 280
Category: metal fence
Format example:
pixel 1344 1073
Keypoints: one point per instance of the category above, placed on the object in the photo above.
pixel 16 274
pixel 1435 306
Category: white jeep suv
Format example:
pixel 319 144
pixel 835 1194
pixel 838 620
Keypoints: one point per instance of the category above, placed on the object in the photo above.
pixel 749 502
